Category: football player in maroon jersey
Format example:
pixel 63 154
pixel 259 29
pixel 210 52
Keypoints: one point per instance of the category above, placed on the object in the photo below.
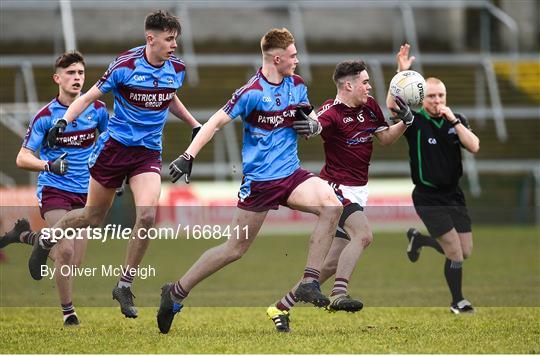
pixel 349 123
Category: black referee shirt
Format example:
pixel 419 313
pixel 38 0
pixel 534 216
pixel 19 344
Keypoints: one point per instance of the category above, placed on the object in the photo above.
pixel 434 151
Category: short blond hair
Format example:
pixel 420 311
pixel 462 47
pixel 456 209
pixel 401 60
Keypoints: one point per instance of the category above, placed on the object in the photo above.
pixel 433 80
pixel 276 38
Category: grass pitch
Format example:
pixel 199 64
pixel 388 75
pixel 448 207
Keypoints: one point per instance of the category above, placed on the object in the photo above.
pixel 247 330
pixel 406 304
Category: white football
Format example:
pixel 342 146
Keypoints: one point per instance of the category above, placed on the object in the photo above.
pixel 410 86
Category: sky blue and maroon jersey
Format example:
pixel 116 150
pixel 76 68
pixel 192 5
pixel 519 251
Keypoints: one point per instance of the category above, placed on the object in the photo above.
pixel 348 140
pixel 77 140
pixel 142 94
pixel 268 110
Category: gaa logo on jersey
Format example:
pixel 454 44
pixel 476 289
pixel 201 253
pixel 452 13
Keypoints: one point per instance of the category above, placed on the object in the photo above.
pixel 432 141
pixel 347 119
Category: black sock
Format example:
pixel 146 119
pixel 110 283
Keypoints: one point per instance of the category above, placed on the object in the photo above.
pixel 426 240
pixel 453 272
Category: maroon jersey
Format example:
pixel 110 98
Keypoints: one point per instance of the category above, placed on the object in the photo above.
pixel 348 140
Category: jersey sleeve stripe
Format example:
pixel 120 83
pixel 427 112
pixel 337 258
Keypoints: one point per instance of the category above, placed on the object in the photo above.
pixel 251 84
pixel 126 62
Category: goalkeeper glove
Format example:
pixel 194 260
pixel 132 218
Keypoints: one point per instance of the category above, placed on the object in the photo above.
pixel 56 131
pixel 305 125
pixel 180 166
pixel 404 113
pixel 58 166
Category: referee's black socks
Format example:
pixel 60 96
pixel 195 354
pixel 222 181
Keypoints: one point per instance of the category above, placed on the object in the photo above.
pixel 453 273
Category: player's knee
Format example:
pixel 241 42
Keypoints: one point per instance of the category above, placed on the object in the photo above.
pixel 360 236
pixel 146 218
pixel 331 209
pixel 366 240
pixel 454 254
pixel 94 217
pixel 467 253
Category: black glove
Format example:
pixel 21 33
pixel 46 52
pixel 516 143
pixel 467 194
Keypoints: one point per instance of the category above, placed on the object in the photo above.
pixel 58 166
pixel 194 132
pixel 56 131
pixel 180 166
pixel 404 113
pixel 305 125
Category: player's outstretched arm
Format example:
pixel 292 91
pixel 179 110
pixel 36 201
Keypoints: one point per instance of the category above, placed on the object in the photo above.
pixel 182 165
pixel 217 121
pixel 391 134
pixel 74 110
pixel 81 103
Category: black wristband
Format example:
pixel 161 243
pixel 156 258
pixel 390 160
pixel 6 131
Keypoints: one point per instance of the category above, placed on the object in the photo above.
pixel 454 123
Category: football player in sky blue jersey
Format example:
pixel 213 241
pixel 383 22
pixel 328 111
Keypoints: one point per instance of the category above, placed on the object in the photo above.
pixel 144 81
pixel 63 169
pixel 274 109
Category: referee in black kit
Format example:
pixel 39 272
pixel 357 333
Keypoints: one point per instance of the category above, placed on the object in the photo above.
pixel 434 140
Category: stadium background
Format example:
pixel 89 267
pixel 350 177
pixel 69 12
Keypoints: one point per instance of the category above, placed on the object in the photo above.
pixel 487 53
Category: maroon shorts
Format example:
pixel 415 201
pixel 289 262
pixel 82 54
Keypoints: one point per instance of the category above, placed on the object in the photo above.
pixel 53 199
pixel 266 195
pixel 115 162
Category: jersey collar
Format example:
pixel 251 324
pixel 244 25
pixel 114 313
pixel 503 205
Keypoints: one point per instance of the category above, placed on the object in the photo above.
pixel 437 121
pixel 147 61
pixel 338 101
pixel 266 79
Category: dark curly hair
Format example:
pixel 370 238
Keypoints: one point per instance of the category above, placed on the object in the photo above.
pixel 348 68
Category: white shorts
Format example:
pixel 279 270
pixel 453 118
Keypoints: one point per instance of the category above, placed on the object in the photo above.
pixel 356 194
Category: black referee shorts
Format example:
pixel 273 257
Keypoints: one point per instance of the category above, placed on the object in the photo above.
pixel 442 211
